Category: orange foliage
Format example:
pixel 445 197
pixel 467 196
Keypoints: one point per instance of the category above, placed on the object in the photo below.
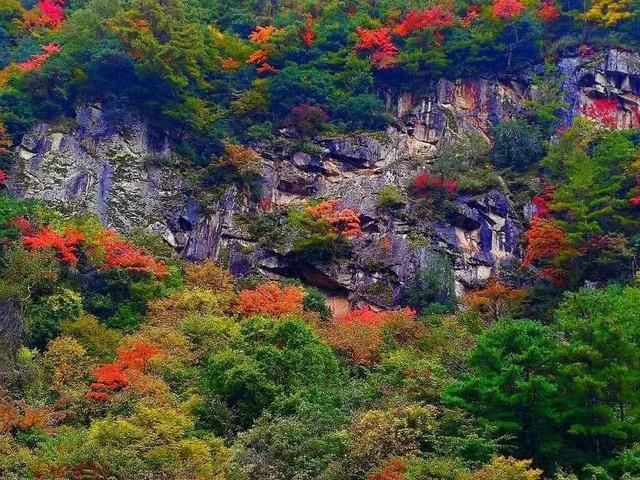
pixel 392 470
pixel 263 35
pixel 121 254
pixel 17 415
pixel 545 240
pixel 507 9
pixel 436 17
pixel 495 300
pixel 548 11
pixel 260 58
pixel 361 334
pixel 230 64
pixel 270 299
pixel 65 244
pixel 380 44
pixel 242 159
pixel 345 222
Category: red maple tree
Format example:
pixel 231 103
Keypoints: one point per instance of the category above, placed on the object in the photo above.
pixel 436 17
pixel 548 11
pixel 112 377
pixel 37 61
pixel 507 9
pixel 3 177
pixel 309 32
pixel 48 13
pixel 65 244
pixel 121 254
pixel 472 15
pixel 541 202
pixel 426 184
pixel 602 110
pixel 380 44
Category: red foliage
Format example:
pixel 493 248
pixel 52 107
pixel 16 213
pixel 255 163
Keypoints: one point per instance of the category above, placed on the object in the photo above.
pixel 472 15
pixel 507 9
pixel 545 240
pixel 113 376
pixel 387 244
pixel 548 11
pixel 52 12
pixel 270 299
pixel 307 119
pixel 121 254
pixel 436 17
pixel 3 177
pixel 137 357
pixel 602 110
pixel 380 44
pixel 23 225
pixel 541 202
pixel 309 33
pixel 265 204
pixel 64 244
pixel 425 184
pixel 37 61
pixel 635 201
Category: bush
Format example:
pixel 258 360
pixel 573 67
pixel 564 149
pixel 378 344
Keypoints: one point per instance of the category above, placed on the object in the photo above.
pixel 390 198
pixel 433 285
pixel 314 301
pixel 518 145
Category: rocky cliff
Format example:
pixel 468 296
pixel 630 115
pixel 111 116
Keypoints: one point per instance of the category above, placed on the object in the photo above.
pixel 129 176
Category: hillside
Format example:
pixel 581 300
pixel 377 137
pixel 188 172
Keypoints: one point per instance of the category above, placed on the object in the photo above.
pixel 319 240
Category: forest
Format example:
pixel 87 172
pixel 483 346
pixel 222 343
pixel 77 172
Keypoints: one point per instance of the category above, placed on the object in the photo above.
pixel 121 360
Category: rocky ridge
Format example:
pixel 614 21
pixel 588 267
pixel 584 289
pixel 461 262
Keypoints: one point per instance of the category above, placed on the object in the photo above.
pixel 127 174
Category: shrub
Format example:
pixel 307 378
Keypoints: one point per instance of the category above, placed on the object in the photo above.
pixel 314 301
pixel 389 197
pixel 517 145
pixel 434 284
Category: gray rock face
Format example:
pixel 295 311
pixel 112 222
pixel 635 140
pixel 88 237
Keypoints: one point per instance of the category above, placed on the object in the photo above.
pixel 127 175
pixel 604 87
pixel 117 172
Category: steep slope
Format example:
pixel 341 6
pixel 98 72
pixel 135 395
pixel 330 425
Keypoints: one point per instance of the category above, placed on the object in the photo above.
pixel 128 174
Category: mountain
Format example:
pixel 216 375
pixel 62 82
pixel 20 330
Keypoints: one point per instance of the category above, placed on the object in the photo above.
pixel 319 240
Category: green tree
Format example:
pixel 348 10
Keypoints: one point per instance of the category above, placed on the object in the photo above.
pixel 511 385
pixel 599 371
pixel 272 361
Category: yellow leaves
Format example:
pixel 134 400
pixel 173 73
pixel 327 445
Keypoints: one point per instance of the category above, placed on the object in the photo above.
pixel 209 275
pixel 503 468
pixel 5 141
pixel 67 362
pixel 608 12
